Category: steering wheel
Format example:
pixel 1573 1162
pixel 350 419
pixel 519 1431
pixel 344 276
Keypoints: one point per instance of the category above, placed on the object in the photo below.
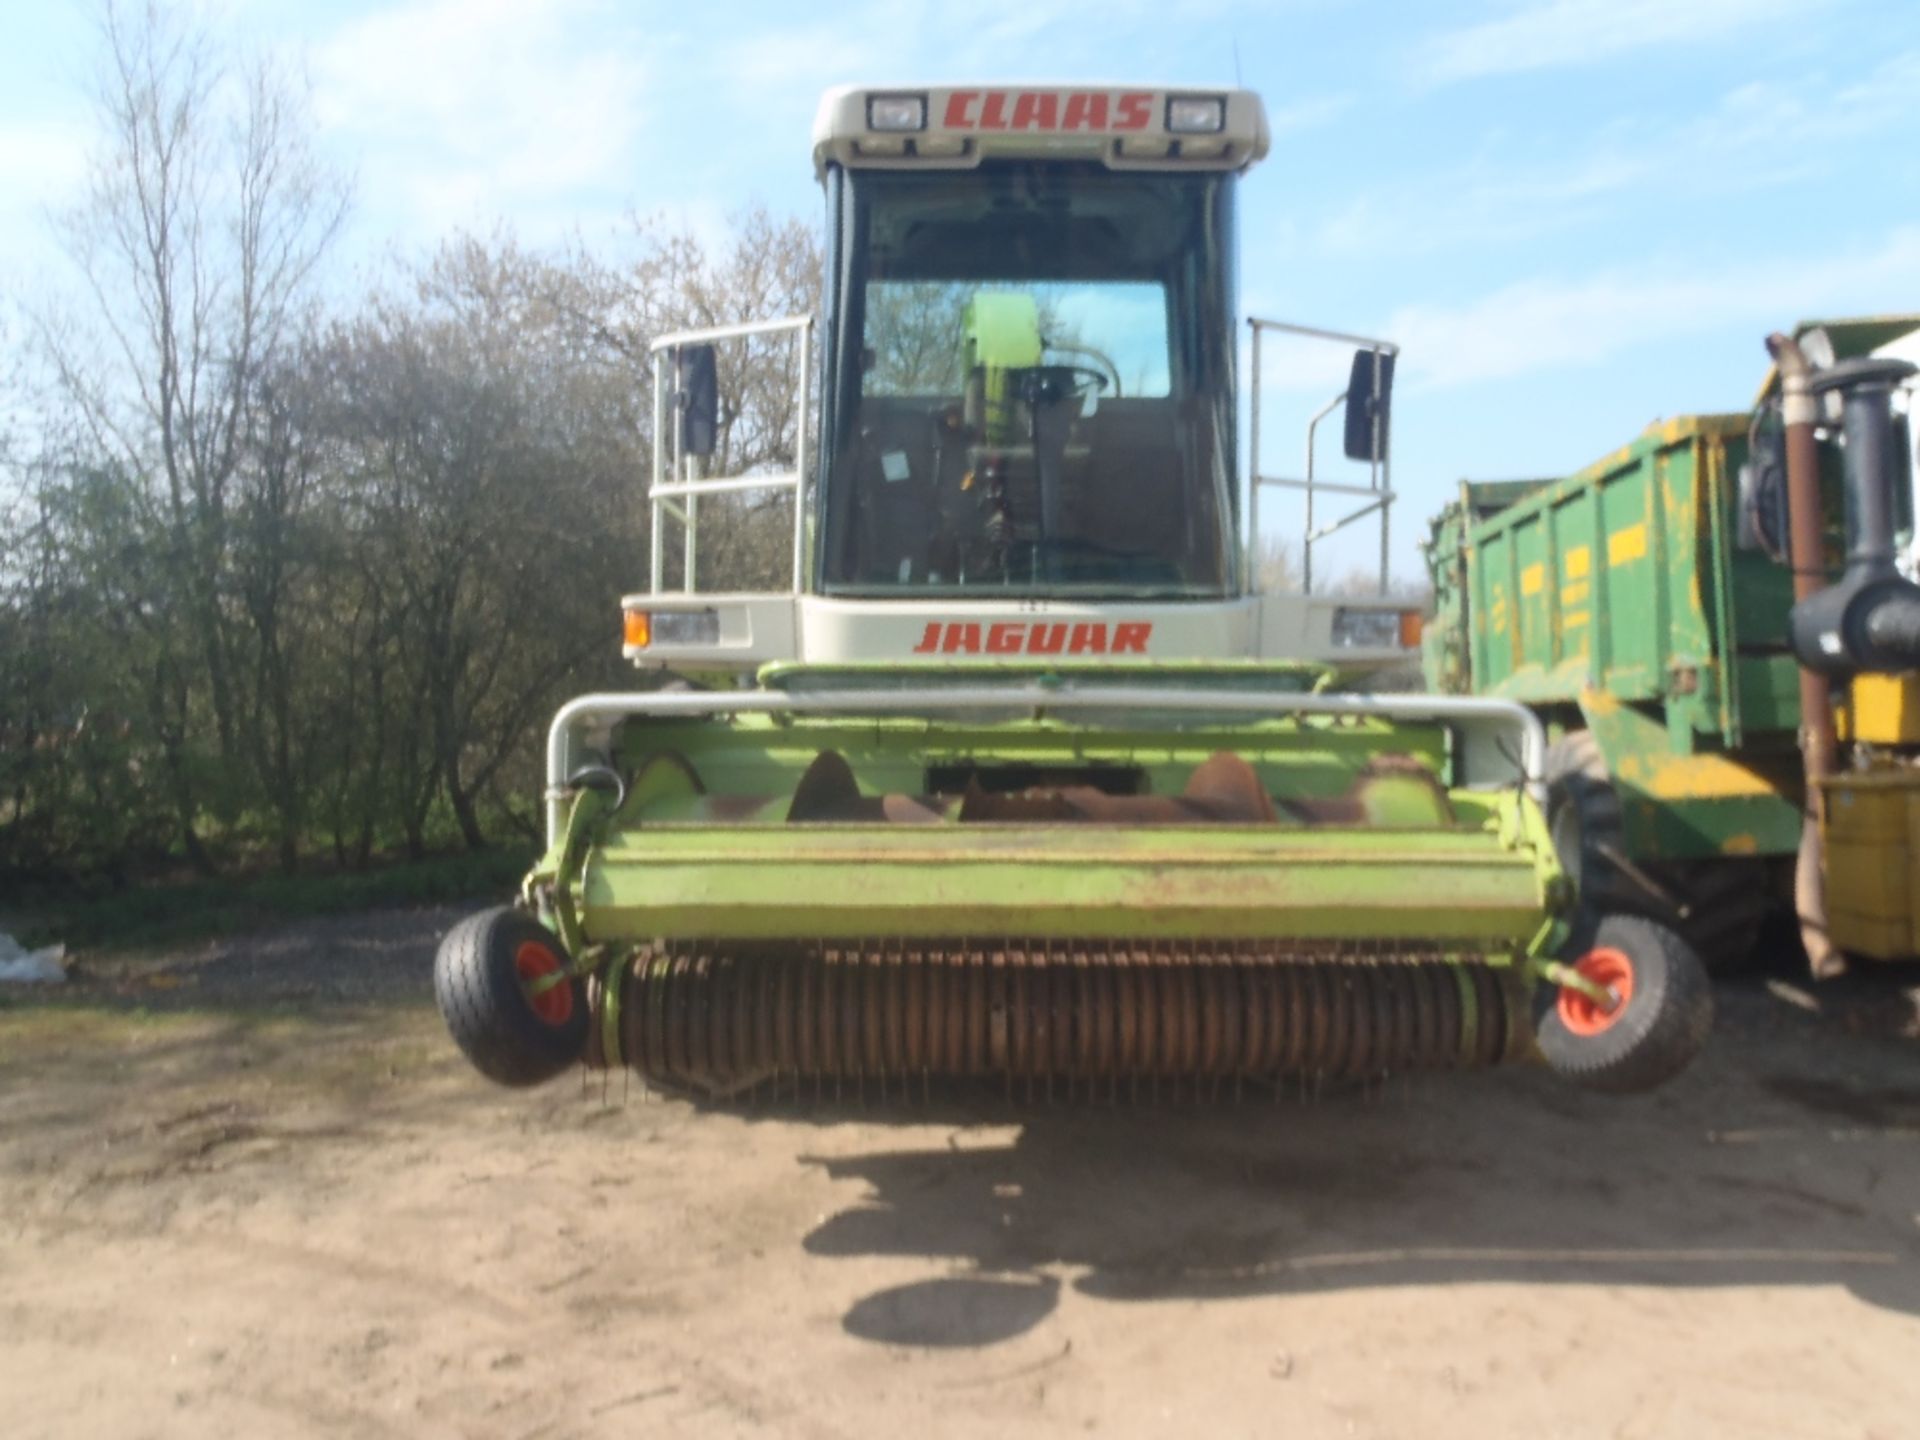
pixel 1051 384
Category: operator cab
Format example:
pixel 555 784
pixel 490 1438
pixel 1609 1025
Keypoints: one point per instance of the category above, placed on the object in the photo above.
pixel 1023 436
pixel 1030 337
pixel 1035 393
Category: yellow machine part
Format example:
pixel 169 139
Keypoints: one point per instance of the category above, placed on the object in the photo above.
pixel 1881 710
pixel 1873 862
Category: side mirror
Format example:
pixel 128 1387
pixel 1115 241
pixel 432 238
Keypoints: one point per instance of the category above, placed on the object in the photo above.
pixel 1369 405
pixel 696 396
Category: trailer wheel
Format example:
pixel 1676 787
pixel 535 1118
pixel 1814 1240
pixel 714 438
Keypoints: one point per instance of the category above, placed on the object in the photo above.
pixel 1726 900
pixel 1659 1024
pixel 485 977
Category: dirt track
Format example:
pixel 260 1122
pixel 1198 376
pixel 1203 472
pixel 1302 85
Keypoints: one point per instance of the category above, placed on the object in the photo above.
pixel 279 1204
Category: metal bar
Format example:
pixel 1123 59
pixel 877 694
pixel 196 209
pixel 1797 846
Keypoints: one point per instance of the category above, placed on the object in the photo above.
pixel 781 481
pixel 1376 468
pixel 800 460
pixel 1253 467
pixel 1326 486
pixel 1314 333
pixel 740 331
pixel 1338 525
pixel 1306 548
pixel 655 541
pixel 690 464
pixel 605 710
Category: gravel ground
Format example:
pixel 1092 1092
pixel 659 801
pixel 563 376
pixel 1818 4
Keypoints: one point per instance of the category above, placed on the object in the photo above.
pixel 248 1188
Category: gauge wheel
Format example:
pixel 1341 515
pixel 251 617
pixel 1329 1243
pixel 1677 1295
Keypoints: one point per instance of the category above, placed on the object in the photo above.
pixel 1658 1020
pixel 494 979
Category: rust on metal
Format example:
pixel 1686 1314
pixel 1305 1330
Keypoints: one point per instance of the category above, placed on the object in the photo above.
pixel 728 1017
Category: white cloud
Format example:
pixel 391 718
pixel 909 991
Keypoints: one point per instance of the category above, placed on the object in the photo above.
pixel 469 109
pixel 41 162
pixel 1545 324
pixel 1564 33
pixel 43 166
pixel 1310 114
pixel 1756 136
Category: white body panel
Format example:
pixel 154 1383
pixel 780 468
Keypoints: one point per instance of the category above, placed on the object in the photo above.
pixel 1125 127
pixel 816 629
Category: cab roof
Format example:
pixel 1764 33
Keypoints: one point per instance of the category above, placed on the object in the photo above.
pixel 1126 127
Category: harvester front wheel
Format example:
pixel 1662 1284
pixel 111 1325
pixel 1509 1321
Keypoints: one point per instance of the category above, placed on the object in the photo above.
pixel 502 984
pixel 1657 1022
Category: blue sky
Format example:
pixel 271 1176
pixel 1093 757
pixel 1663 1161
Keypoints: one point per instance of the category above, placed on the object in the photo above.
pixel 1577 215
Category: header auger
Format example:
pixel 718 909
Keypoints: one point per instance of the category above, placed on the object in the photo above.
pixel 1035 784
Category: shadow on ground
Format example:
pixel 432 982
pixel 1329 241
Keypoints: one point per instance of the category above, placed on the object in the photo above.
pixel 1790 1156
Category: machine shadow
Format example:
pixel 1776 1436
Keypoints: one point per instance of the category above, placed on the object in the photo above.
pixel 1733 1177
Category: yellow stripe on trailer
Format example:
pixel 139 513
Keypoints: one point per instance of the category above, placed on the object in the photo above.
pixel 1627 544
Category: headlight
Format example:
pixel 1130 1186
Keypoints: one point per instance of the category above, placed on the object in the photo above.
pixel 1192 116
pixel 686 627
pixel 896 113
pixel 672 627
pixel 1358 629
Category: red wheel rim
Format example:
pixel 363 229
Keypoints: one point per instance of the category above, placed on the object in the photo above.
pixel 533 961
pixel 1608 967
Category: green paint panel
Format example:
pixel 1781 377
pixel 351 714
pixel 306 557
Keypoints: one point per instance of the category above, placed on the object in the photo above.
pixel 1061 881
pixel 1618 598
pixel 1368 845
pixel 1623 578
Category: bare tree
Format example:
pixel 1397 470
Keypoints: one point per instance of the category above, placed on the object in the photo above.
pixel 765 269
pixel 204 218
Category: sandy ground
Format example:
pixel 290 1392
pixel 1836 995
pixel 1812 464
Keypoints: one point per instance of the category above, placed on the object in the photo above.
pixel 250 1190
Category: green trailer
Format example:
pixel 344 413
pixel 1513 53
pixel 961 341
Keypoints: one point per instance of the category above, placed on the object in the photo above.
pixel 1641 609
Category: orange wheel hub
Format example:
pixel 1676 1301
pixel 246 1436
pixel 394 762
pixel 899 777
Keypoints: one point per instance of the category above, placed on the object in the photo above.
pixel 533 962
pixel 1608 967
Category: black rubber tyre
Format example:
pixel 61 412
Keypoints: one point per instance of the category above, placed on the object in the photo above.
pixel 479 981
pixel 1726 900
pixel 1584 817
pixel 1655 1034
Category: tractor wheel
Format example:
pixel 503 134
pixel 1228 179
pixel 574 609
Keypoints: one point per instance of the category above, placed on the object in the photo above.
pixel 1726 900
pixel 1659 1023
pixel 484 977
pixel 1727 903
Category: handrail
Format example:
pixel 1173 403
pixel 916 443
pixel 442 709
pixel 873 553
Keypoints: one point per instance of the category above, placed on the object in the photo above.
pixel 740 331
pixel 686 486
pixel 1378 491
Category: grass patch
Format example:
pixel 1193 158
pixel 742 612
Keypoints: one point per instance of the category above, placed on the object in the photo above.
pixel 181 910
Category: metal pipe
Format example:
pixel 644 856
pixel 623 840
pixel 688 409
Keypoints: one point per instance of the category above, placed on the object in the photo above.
pixel 656 543
pixel 608 709
pixel 1306 546
pixel 742 330
pixel 1323 487
pixel 784 480
pixel 1335 526
pixel 1383 448
pixel 800 458
pixel 1361 342
pixel 690 533
pixel 1818 745
pixel 1253 467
